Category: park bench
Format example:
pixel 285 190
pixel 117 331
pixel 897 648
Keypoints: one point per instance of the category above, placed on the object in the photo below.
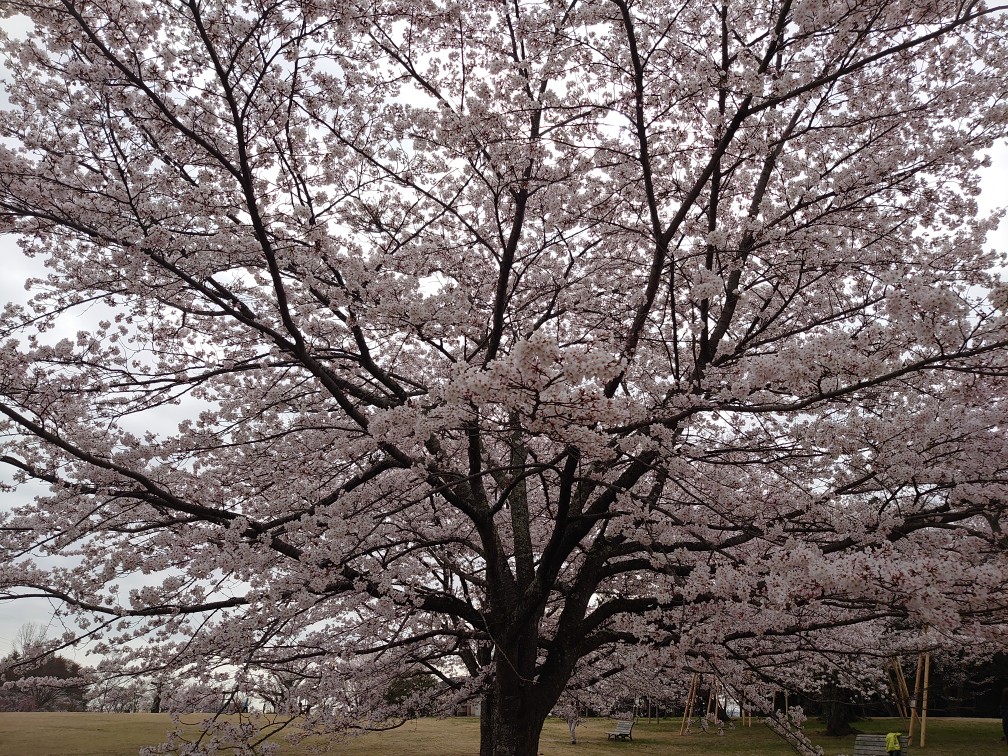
pixel 874 745
pixel 622 730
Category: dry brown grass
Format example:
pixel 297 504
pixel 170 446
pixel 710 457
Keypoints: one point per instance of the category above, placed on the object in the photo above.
pixel 89 734
pixel 73 734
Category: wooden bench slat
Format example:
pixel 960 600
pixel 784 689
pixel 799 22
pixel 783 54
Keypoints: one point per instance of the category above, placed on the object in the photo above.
pixel 622 730
pixel 874 745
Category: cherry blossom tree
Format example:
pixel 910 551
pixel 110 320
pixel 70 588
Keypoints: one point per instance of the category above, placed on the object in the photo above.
pixel 493 341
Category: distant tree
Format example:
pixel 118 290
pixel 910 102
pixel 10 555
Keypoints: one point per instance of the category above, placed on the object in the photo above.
pixel 156 698
pixel 29 640
pixel 505 339
pixel 286 690
pixel 837 707
pixel 411 694
pixel 114 693
pixel 36 679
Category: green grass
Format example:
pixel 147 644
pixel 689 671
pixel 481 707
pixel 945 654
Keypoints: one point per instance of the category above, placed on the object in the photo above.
pixel 44 734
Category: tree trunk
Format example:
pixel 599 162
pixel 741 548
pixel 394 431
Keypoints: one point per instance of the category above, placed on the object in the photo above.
pixel 836 711
pixel 510 724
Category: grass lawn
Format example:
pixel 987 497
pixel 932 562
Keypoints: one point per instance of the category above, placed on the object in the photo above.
pixel 73 734
pixel 91 734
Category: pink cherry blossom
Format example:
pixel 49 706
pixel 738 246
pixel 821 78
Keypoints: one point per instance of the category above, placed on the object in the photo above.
pixel 534 351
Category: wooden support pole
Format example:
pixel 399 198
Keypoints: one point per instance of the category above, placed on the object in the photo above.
pixel 693 702
pixel 915 698
pixel 697 680
pixel 894 687
pixel 688 711
pixel 904 691
pixel 744 709
pixel 927 673
pixel 896 692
